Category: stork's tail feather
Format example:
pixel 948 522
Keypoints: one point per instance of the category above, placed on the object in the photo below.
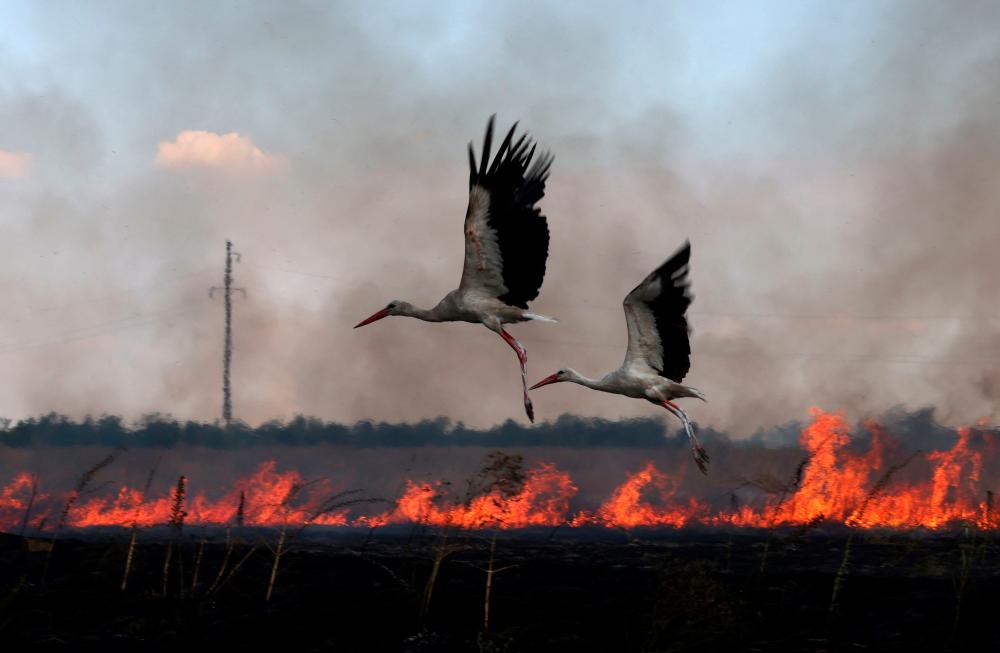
pixel 695 392
pixel 539 318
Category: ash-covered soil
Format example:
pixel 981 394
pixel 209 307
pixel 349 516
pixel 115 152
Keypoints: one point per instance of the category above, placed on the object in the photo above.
pixel 563 590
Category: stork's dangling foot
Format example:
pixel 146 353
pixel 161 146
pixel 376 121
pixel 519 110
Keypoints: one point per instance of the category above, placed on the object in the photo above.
pixel 522 357
pixel 700 455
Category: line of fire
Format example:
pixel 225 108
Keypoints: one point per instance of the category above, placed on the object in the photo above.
pixel 832 484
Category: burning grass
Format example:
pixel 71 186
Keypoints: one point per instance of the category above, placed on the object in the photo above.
pixel 509 562
pixel 834 484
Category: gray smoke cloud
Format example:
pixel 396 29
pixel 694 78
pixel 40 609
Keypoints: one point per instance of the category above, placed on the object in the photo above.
pixel 840 198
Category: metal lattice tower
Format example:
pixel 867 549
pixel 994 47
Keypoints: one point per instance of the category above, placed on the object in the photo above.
pixel 227 352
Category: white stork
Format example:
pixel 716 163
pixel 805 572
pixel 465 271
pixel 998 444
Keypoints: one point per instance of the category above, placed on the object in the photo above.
pixel 659 352
pixel 506 246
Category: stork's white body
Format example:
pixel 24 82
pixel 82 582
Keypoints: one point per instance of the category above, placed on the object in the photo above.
pixel 476 308
pixel 639 384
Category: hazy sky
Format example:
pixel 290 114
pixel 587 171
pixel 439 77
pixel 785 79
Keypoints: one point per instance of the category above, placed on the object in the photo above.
pixel 835 166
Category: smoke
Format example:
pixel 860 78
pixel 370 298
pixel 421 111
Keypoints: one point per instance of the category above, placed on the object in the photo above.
pixel 839 195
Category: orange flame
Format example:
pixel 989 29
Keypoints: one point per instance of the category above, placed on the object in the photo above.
pixel 836 486
pixel 270 499
pixel 628 507
pixel 834 481
pixel 14 499
pixel 542 501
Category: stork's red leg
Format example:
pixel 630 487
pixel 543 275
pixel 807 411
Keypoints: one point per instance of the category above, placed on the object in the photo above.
pixel 700 455
pixel 522 357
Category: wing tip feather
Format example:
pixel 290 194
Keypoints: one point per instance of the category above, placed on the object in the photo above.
pixel 472 165
pixel 484 160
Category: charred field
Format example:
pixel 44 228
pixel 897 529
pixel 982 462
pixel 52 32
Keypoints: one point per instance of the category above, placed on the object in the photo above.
pixel 883 541
pixel 574 589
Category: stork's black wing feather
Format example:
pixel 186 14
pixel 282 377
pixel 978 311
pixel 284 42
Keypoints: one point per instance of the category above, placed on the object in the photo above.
pixel 663 297
pixel 515 185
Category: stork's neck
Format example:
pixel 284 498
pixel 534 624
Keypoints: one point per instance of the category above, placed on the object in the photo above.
pixel 425 314
pixel 576 377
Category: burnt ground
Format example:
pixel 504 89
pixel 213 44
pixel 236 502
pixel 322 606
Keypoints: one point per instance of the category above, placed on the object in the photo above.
pixel 571 590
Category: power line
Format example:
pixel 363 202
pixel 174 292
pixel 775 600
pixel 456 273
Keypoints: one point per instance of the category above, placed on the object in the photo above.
pixel 116 326
pixel 872 317
pixel 298 272
pixel 901 359
pixel 101 299
pixel 125 323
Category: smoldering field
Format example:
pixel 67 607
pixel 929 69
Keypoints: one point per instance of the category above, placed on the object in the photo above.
pixel 382 472
pixel 578 545
pixel 906 472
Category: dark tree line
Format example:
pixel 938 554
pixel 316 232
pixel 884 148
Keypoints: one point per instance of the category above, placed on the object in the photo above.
pixel 913 428
pixel 163 431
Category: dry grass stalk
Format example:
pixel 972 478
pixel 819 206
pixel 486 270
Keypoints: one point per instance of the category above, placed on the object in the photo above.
pixel 135 526
pixel 879 487
pixel 337 501
pixel 855 520
pixel 176 523
pixel 231 545
pixel 441 551
pixel 285 507
pixel 81 486
pixel 241 512
pixel 232 572
pixel 197 565
pixel 166 567
pixel 506 474
pixel 966 550
pixel 129 556
pixel 177 512
pixel 31 504
pixel 225 561
pixel 785 490
pixel 278 552
pixel 972 545
pixel 490 572
pixel 502 474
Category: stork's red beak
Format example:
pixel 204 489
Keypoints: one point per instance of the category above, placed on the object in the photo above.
pixel 553 378
pixel 374 318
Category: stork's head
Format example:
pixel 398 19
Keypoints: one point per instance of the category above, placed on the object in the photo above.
pixel 564 374
pixel 395 307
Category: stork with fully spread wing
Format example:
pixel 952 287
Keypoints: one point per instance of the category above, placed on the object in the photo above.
pixel 506 246
pixel 659 352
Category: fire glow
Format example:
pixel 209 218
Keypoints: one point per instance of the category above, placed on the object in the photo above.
pixel 834 485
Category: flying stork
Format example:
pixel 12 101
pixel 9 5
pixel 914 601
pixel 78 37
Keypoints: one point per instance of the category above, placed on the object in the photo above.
pixel 659 352
pixel 506 246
